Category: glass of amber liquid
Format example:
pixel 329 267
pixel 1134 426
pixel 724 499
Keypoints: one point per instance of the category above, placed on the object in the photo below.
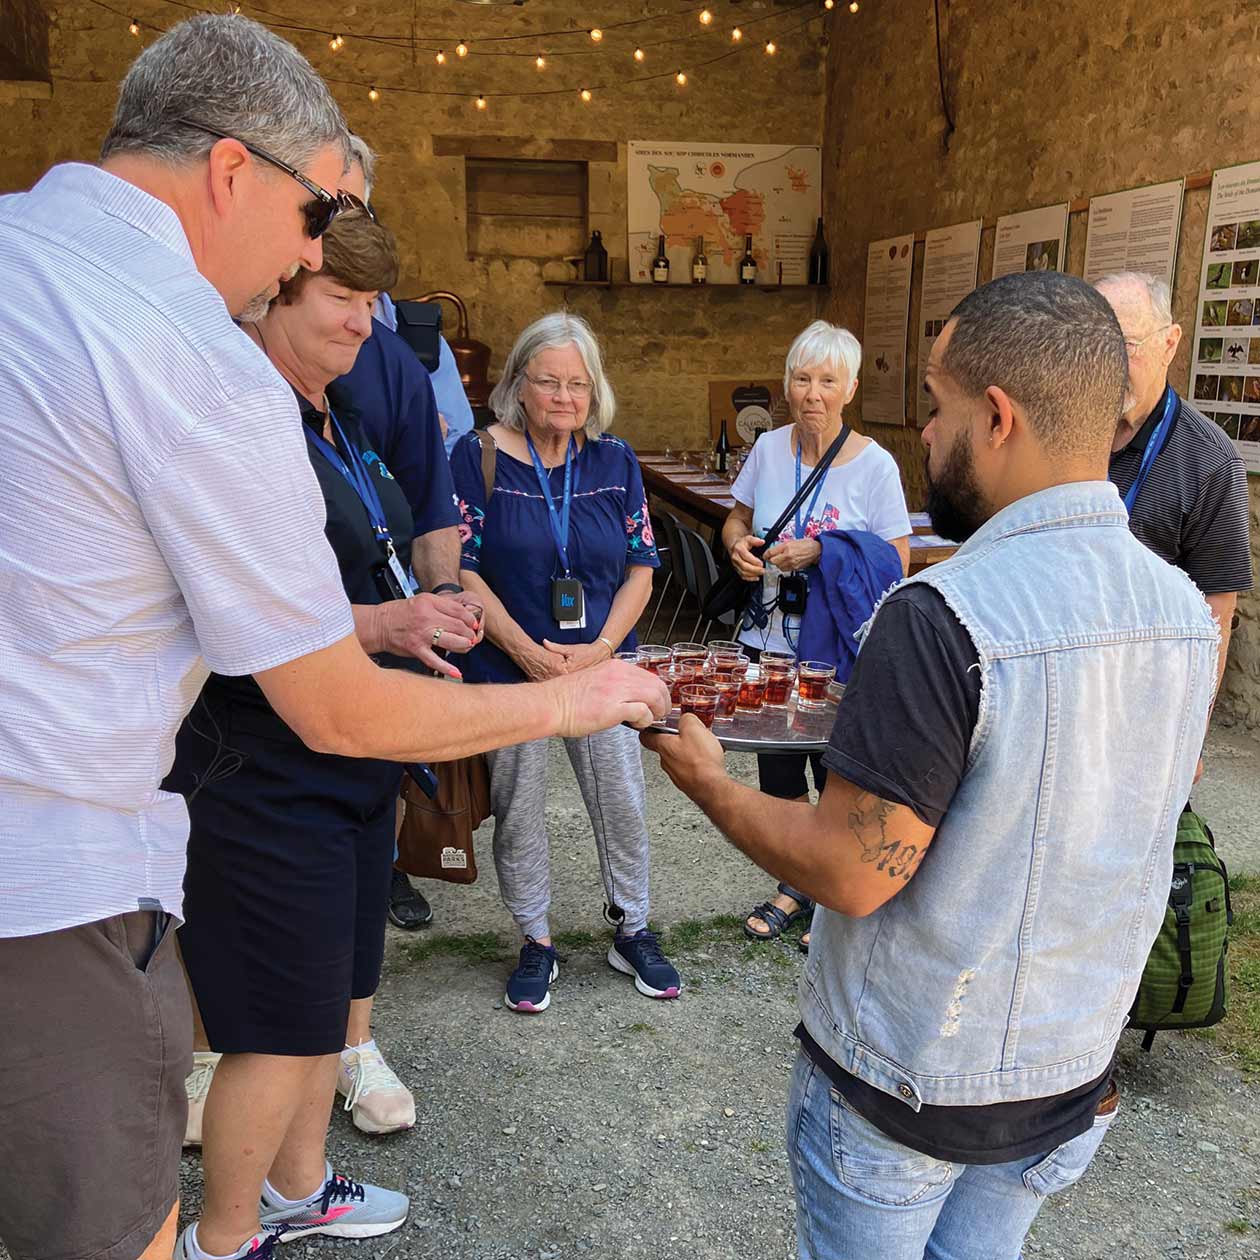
pixel 752 690
pixel 725 647
pixel 779 678
pixel 727 689
pixel 676 677
pixel 694 652
pixel 812 683
pixel 653 657
pixel 701 700
pixel 723 663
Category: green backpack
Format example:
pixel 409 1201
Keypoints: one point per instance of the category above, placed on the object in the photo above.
pixel 1185 984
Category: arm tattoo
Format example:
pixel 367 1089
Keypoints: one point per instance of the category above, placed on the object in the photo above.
pixel 869 823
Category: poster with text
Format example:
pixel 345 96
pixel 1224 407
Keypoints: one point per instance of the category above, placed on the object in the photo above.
pixel 1225 370
pixel 1135 230
pixel 1035 240
pixel 951 261
pixel 888 265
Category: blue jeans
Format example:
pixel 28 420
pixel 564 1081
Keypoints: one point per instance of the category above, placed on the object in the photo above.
pixel 860 1194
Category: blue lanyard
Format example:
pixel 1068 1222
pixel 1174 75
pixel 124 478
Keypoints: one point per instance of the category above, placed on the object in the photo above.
pixel 358 477
pixel 813 503
pixel 559 521
pixel 1153 448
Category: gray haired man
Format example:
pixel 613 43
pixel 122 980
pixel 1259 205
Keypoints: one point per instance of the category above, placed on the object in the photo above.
pixel 159 517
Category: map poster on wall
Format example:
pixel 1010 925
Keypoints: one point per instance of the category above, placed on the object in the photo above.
pixel 1225 371
pixel 951 262
pixel 770 192
pixel 887 312
pixel 1135 230
pixel 1035 240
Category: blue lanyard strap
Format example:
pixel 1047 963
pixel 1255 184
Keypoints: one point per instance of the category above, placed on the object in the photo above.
pixel 1153 448
pixel 359 478
pixel 813 503
pixel 559 521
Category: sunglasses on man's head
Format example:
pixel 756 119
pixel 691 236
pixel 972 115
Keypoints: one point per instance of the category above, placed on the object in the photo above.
pixel 324 206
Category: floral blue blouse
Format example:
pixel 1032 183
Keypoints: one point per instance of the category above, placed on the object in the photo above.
pixel 509 543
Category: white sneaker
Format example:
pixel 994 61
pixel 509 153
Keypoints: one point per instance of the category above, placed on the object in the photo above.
pixel 260 1247
pixel 198 1086
pixel 342 1209
pixel 378 1101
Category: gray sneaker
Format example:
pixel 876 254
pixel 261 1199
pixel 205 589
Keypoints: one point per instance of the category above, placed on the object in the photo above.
pixel 343 1209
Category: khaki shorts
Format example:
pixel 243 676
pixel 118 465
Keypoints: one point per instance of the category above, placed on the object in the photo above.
pixel 96 1040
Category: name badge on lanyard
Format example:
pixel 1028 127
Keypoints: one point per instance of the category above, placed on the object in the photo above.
pixel 568 601
pixel 392 577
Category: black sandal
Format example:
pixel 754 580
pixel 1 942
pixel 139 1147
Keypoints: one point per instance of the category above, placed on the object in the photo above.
pixel 775 918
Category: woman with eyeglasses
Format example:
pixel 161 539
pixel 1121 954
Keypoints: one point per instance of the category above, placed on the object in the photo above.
pixel 861 490
pixel 291 850
pixel 561 552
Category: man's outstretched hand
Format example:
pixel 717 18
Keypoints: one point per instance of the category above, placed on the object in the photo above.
pixel 691 758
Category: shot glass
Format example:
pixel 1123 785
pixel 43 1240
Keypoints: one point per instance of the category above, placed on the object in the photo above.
pixel 727 689
pixel 630 658
pixel 752 690
pixel 725 647
pixel 723 663
pixel 689 652
pixel 653 657
pixel 700 700
pixel 835 692
pixel 676 677
pixel 812 683
pixel 779 678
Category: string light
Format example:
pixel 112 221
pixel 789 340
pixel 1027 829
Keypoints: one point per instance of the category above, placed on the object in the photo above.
pixel 829 5
pixel 585 94
pixel 639 54
pixel 706 17
pixel 540 61
pixel 681 78
pixel 736 35
pixel 481 102
pixel 853 7
pixel 771 48
pixel 373 94
pixel 461 49
pixel 596 35
pixel 134 28
pixel 441 57
pixel 336 42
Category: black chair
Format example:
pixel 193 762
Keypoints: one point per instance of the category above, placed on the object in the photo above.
pixel 680 566
pixel 701 569
pixel 668 551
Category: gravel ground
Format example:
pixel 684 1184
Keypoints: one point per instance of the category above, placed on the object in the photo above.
pixel 617 1126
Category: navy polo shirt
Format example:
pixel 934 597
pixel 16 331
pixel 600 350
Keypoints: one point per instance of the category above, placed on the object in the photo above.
pixel 395 406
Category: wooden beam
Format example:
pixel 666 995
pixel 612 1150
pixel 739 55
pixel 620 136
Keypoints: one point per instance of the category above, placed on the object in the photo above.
pixel 531 147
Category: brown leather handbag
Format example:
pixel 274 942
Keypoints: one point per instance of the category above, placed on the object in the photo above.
pixel 436 840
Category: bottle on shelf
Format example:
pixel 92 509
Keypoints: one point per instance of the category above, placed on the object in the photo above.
pixel 722 450
pixel 748 264
pixel 819 257
pixel 595 261
pixel 660 264
pixel 700 264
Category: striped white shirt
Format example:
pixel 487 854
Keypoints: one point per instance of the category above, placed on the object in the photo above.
pixel 158 515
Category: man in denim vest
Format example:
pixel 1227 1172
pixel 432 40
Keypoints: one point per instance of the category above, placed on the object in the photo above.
pixel 993 847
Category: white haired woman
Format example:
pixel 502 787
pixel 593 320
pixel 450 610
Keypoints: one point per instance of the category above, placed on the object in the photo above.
pixel 561 552
pixel 860 491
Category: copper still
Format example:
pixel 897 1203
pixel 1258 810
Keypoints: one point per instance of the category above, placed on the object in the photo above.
pixel 472 357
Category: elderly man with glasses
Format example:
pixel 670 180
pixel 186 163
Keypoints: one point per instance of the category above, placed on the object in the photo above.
pixel 160 518
pixel 1182 481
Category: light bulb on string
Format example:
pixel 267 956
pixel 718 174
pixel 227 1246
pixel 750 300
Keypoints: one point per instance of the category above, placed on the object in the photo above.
pixel 736 35
pixel 771 48
pixel 481 102
pixel 440 58
pixel 681 78
pixel 540 61
pixel 585 94
pixel 853 6
pixel 336 42
pixel 461 49
pixel 596 35
pixel 134 27
pixel 829 5
pixel 639 54
pixel 705 17
pixel 373 95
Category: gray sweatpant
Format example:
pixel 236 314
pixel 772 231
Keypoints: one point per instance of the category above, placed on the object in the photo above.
pixel 610 775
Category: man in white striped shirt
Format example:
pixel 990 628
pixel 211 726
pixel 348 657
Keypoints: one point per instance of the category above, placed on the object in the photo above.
pixel 158 517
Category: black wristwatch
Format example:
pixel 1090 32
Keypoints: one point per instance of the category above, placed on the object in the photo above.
pixel 443 587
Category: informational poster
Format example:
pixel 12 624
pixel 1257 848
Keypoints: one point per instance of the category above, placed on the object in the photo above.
pixel 951 261
pixel 1225 373
pixel 888 265
pixel 1035 240
pixel 1135 230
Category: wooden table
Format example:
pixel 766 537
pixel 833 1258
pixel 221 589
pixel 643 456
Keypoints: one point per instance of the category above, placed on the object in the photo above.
pixel 707 498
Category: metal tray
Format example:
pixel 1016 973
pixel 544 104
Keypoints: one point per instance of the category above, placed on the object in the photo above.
pixel 789 730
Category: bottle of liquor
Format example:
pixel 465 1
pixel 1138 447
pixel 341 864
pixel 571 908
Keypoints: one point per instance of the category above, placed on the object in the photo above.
pixel 722 450
pixel 748 264
pixel 595 261
pixel 819 257
pixel 700 264
pixel 660 264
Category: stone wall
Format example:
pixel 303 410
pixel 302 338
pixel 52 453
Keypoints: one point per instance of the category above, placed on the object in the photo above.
pixel 1051 102
pixel 663 347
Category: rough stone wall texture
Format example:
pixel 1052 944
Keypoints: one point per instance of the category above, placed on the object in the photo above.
pixel 1051 102
pixel 663 348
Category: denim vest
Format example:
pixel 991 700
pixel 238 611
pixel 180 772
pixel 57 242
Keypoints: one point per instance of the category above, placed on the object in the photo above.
pixel 1005 969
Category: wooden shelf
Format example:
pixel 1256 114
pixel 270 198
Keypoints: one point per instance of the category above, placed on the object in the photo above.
pixel 626 284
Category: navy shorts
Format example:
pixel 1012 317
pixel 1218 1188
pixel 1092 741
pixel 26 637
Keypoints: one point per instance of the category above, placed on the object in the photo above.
pixel 287 890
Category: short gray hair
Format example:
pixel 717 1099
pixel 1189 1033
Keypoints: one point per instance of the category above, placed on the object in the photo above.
pixel 230 73
pixel 553 332
pixel 1153 288
pixel 824 343
pixel 361 152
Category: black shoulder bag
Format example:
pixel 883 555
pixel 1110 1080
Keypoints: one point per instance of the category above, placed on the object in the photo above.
pixel 730 593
